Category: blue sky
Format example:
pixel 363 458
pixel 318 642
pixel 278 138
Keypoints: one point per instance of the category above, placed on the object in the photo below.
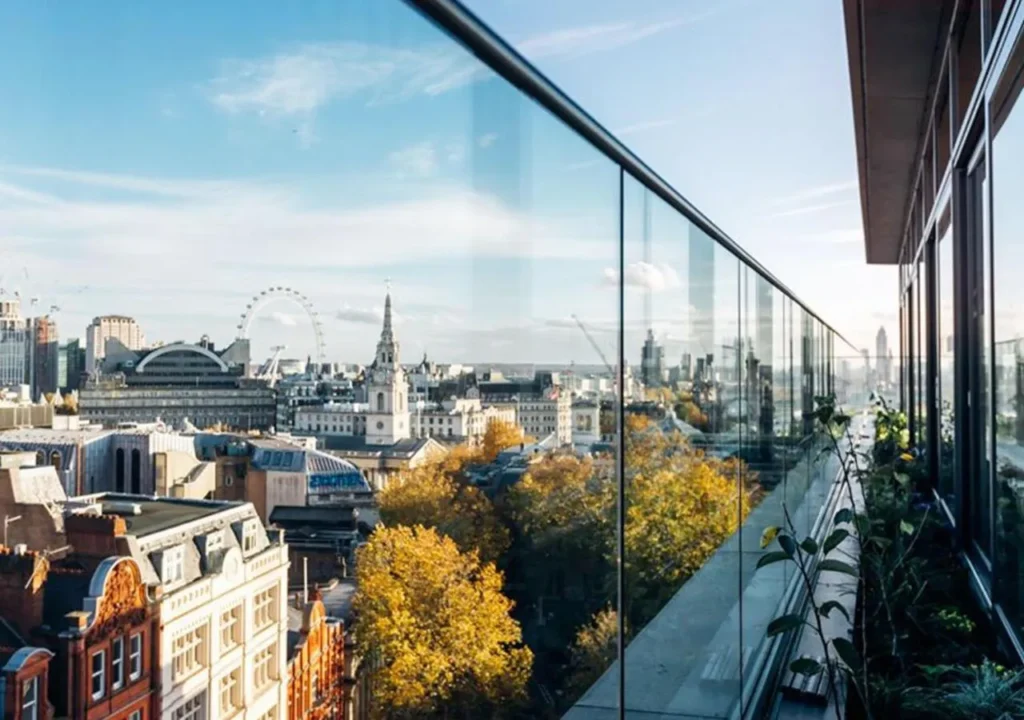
pixel 171 162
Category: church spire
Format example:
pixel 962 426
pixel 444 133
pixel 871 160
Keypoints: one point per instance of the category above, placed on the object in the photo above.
pixel 387 346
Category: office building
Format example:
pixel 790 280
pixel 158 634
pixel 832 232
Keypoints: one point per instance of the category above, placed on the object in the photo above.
pixel 70 365
pixel 940 147
pixel 652 362
pixel 14 342
pixel 118 327
pixel 42 363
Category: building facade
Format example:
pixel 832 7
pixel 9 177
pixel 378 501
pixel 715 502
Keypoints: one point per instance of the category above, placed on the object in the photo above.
pixel 222 584
pixel 940 177
pixel 118 327
pixel 70 365
pixel 42 362
pixel 316 664
pixel 182 385
pixel 14 339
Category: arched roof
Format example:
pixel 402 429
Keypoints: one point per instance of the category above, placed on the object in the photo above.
pixel 176 347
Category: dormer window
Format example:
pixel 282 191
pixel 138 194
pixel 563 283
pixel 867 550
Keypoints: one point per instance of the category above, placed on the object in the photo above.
pixel 249 536
pixel 173 565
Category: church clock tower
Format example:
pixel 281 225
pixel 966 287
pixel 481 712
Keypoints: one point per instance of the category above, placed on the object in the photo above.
pixel 387 390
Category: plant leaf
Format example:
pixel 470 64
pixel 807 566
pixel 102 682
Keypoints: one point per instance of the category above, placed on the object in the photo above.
pixel 843 515
pixel 768 535
pixel 809 545
pixel 837 566
pixel 863 523
pixel 846 651
pixel 784 623
pixel 902 478
pixel 805 666
pixel 906 528
pixel 830 605
pixel 834 539
pixel 787 543
pixel 772 557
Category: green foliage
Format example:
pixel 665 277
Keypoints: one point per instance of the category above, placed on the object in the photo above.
pixel 979 692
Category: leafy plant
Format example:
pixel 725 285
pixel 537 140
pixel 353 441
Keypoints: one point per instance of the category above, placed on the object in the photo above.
pixel 979 692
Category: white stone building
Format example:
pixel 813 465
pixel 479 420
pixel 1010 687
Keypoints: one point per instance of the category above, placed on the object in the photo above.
pixel 223 594
pixel 586 422
pixel 551 413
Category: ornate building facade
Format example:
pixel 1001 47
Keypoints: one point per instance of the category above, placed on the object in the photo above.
pixel 387 389
pixel 316 664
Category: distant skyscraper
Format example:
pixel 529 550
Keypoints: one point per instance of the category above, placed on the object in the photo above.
pixel 70 365
pixel 42 361
pixel 119 327
pixel 13 343
pixel 882 364
pixel 652 362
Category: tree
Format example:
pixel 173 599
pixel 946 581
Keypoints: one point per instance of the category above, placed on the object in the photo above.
pixel 69 406
pixel 593 651
pixel 430 495
pixel 436 622
pixel 499 436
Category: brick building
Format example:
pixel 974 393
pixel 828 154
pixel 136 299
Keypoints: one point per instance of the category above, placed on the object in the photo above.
pixel 316 663
pixel 87 634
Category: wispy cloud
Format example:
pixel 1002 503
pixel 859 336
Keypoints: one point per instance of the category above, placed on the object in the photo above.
pixel 366 316
pixel 813 208
pixel 278 318
pixel 818 191
pixel 643 126
pixel 419 160
pixel 600 37
pixel 486 140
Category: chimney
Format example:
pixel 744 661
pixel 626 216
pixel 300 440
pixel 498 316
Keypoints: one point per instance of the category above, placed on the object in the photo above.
pixel 95 535
pixel 22 580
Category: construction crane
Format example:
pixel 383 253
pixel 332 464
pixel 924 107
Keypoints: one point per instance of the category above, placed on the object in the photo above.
pixel 270 371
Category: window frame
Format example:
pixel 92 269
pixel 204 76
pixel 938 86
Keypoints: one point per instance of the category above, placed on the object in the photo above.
pixel 135 656
pixel 101 674
pixel 30 698
pixel 117 676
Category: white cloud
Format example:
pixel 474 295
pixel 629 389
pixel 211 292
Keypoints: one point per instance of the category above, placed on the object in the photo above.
pixel 808 209
pixel 277 318
pixel 653 277
pixel 588 39
pixel 643 126
pixel 302 80
pixel 815 192
pixel 419 160
pixel 486 140
pixel 367 316
pixel 456 152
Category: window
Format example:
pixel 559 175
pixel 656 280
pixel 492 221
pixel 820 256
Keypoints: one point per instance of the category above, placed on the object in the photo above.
pixel 188 651
pixel 136 715
pixel 249 536
pixel 314 685
pixel 117 663
pixel 30 699
pixel 231 692
pixel 270 714
pixel 264 666
pixel 99 674
pixel 264 608
pixel 231 627
pixel 135 656
pixel 191 709
pixel 174 565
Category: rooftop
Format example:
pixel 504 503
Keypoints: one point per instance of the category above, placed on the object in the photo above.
pixel 156 513
pixel 51 436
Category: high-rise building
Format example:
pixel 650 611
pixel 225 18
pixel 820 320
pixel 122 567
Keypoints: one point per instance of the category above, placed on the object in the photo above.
pixel 70 365
pixel 42 355
pixel 119 327
pixel 13 343
pixel 652 362
pixel 882 356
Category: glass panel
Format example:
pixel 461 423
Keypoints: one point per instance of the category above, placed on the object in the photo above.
pixel 946 398
pixel 1008 311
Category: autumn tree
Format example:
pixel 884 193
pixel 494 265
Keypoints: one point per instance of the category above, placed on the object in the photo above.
pixel 436 623
pixel 432 496
pixel 593 651
pixel 500 435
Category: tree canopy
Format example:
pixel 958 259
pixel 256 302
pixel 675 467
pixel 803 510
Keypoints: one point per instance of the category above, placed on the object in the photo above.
pixel 436 621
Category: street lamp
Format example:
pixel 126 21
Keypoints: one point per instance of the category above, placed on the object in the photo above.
pixel 9 520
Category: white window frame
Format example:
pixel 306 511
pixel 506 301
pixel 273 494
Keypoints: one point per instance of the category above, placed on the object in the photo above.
pixel 264 666
pixel 136 715
pixel 101 674
pixel 117 663
pixel 229 690
pixel 231 627
pixel 192 709
pixel 249 529
pixel 264 608
pixel 174 565
pixel 135 656
pixel 189 651
pixel 30 698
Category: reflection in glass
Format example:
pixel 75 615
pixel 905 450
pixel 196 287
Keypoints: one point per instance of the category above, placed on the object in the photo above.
pixel 946 395
pixel 1008 310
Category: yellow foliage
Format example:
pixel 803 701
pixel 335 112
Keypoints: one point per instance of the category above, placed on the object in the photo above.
pixel 559 493
pixel 429 495
pixel 438 624
pixel 499 436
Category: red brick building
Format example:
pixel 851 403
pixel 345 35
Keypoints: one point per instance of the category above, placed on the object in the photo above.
pixel 316 664
pixel 87 634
